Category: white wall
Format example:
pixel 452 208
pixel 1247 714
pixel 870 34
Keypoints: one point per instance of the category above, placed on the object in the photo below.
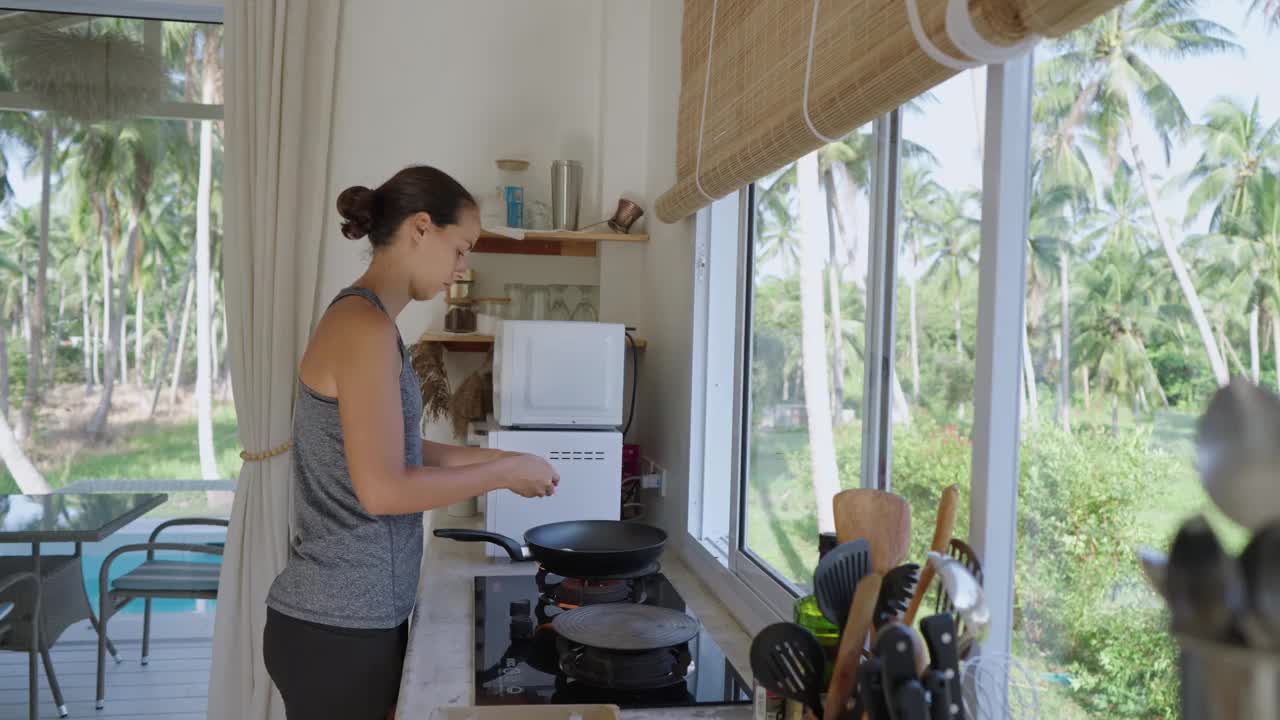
pixel 460 83
pixel 666 283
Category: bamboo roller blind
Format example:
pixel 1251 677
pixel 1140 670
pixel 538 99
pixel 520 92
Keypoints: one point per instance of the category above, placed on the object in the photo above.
pixel 866 61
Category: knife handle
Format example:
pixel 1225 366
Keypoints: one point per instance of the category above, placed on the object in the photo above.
pixel 909 701
pixel 871 691
pixel 939 695
pixel 939 633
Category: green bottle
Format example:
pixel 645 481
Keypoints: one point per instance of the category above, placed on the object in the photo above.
pixel 807 615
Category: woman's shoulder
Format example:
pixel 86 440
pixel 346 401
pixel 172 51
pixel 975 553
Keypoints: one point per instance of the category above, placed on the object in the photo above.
pixel 352 320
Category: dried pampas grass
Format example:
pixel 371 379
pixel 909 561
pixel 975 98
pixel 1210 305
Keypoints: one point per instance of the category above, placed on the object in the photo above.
pixel 474 399
pixel 427 359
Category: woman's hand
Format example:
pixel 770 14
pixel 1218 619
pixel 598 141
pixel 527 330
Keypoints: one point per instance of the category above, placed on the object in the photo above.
pixel 529 475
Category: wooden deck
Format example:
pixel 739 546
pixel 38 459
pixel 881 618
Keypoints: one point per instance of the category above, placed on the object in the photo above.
pixel 174 686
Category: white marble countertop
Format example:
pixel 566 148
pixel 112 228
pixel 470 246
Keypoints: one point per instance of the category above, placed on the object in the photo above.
pixel 439 665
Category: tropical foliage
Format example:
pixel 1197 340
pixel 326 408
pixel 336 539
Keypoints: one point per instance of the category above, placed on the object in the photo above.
pixel 106 278
pixel 1134 315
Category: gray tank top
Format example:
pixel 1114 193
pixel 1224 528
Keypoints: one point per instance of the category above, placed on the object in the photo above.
pixel 347 567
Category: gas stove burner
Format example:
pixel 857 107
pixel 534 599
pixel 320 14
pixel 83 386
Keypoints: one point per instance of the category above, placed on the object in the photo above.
pixel 613 670
pixel 522 657
pixel 579 592
pixel 568 593
pixel 646 571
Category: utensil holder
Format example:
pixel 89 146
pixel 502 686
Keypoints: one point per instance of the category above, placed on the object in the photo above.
pixel 1228 682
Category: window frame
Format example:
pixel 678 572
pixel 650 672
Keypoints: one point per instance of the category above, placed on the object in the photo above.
pixel 997 396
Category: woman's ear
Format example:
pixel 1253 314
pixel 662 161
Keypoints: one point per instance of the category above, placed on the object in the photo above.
pixel 423 224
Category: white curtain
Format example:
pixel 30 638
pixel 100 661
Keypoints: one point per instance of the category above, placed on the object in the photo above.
pixel 280 74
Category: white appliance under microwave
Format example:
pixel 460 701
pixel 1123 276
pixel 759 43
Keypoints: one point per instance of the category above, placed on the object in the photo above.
pixel 552 374
pixel 589 463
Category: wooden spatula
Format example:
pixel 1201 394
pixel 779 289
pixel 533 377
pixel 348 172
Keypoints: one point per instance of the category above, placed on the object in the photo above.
pixel 946 525
pixel 882 518
pixel 849 654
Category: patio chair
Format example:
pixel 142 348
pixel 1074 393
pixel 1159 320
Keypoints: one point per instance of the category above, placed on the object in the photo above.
pixel 181 579
pixel 7 623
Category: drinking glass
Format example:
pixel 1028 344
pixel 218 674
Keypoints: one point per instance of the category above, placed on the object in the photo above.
pixel 519 309
pixel 588 304
pixel 539 299
pixel 559 302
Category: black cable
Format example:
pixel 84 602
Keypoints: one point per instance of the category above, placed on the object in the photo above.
pixel 635 380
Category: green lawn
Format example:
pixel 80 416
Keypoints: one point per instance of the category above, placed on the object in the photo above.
pixel 152 451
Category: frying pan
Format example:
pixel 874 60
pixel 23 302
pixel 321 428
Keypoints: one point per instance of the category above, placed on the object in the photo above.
pixel 578 548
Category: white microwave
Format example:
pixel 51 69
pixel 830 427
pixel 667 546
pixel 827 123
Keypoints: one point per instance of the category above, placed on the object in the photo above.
pixel 551 374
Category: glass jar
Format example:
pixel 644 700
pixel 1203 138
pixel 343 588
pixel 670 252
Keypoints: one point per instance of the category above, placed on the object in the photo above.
pixel 559 302
pixel 587 309
pixel 539 298
pixel 511 182
pixel 494 307
pixel 461 317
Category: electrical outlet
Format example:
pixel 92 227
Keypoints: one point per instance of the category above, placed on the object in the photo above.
pixel 654 476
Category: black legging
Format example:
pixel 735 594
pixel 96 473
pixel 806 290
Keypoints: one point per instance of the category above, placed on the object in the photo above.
pixel 325 672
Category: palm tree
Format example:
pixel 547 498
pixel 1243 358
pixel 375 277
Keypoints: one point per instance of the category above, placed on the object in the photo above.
pixel 1061 167
pixel 952 252
pixel 778 236
pixel 1111 325
pixel 1110 56
pixel 1257 236
pixel 813 249
pixel 1047 230
pixel 1270 10
pixel 1237 144
pixel 918 196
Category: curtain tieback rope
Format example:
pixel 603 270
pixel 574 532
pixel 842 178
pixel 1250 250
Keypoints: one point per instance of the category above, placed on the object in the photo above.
pixel 276 451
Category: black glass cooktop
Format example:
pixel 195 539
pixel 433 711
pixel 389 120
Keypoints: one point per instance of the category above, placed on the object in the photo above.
pixel 518 658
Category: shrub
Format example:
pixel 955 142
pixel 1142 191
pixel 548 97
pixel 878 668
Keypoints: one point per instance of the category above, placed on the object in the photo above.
pixel 1079 602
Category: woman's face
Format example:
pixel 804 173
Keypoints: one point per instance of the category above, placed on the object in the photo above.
pixel 439 254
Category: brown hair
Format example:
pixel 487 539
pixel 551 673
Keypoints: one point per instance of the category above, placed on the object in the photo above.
pixel 418 188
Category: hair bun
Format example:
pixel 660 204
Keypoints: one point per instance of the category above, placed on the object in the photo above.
pixel 356 206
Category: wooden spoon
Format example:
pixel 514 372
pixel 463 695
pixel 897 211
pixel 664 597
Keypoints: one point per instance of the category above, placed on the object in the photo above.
pixel 849 654
pixel 948 505
pixel 881 518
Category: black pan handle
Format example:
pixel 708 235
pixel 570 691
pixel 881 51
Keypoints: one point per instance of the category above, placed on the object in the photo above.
pixel 517 551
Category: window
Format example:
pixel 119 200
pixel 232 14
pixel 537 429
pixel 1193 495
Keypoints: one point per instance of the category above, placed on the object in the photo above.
pixel 802 427
pixel 133 321
pixel 939 214
pixel 1122 357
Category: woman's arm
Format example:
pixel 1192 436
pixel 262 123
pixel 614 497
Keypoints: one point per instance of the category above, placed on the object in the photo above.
pixel 445 455
pixel 373 435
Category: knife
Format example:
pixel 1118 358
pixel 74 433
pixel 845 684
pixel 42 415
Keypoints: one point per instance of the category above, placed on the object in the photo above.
pixel 940 637
pixel 870 691
pixel 896 650
pixel 909 702
pixel 939 695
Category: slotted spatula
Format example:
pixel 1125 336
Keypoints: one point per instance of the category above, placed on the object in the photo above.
pixel 966 555
pixel 895 593
pixel 788 661
pixel 836 579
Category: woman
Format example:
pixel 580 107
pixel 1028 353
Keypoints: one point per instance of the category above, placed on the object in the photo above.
pixel 337 616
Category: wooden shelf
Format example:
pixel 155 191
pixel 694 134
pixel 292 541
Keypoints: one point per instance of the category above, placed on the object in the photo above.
pixel 562 243
pixel 473 342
